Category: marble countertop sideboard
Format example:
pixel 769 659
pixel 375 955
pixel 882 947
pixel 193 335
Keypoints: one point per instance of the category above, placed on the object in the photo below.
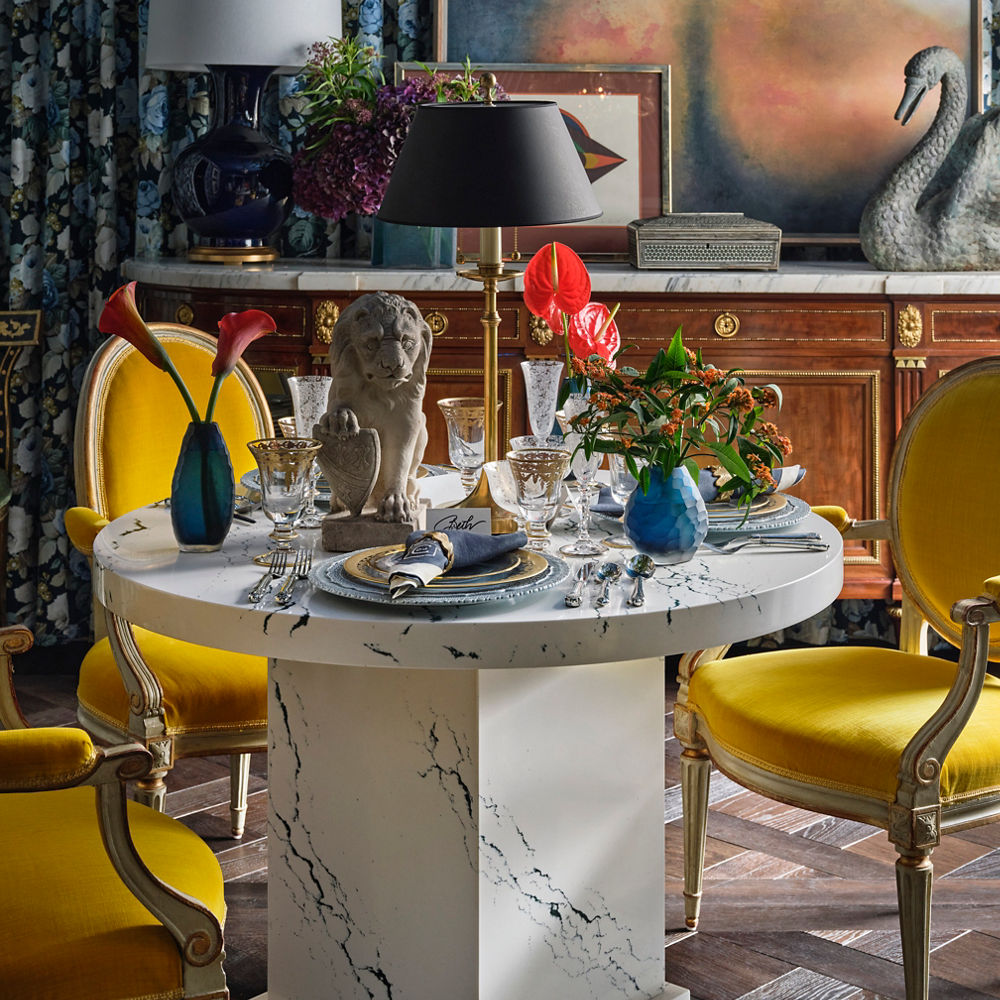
pixel 356 276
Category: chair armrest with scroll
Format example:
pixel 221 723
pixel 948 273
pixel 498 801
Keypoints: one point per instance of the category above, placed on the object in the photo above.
pixel 82 526
pixel 50 759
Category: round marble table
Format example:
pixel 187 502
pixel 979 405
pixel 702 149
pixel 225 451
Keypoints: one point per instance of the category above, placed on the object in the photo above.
pixel 483 820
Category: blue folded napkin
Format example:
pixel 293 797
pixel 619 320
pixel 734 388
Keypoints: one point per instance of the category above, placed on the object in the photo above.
pixel 607 504
pixel 428 554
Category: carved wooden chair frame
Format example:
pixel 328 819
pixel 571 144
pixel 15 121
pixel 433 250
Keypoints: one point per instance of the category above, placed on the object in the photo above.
pixel 146 722
pixel 917 818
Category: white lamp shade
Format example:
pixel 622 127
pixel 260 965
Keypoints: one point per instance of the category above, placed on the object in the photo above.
pixel 188 35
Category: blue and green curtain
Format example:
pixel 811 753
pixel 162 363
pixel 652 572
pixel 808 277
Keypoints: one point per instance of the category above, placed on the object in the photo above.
pixel 86 144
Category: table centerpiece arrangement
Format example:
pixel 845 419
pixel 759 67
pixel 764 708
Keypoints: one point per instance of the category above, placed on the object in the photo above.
pixel 660 420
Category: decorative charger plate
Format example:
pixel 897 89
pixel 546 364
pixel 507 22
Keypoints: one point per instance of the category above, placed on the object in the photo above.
pixel 786 516
pixel 518 574
pixel 762 506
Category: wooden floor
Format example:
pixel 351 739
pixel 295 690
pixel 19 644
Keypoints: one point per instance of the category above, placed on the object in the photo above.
pixel 797 906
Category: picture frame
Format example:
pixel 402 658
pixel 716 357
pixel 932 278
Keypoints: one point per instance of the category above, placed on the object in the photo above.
pixel 619 117
pixel 781 112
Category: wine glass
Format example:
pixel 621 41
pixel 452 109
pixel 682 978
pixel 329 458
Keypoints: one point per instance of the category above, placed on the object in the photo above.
pixel 309 402
pixel 542 377
pixel 465 417
pixel 585 472
pixel 285 465
pixel 621 483
pixel 538 474
pixel 502 489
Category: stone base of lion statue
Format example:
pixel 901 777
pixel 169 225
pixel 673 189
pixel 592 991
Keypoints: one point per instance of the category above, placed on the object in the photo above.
pixel 344 532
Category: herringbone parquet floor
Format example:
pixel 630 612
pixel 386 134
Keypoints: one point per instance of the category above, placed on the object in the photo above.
pixel 797 906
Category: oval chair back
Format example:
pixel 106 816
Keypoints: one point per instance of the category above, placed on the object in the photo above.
pixel 127 440
pixel 945 471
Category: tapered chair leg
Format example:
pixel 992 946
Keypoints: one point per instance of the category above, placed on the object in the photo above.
pixel 152 791
pixel 914 877
pixel 239 785
pixel 696 769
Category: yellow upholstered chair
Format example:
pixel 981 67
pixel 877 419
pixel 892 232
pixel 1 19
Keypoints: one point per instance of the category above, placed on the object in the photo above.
pixel 102 898
pixel 175 698
pixel 894 738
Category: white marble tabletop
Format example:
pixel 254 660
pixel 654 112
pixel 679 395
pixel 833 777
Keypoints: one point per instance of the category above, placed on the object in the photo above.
pixel 711 600
pixel 793 278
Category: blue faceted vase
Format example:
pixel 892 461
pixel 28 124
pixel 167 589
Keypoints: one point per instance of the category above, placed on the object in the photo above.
pixel 203 491
pixel 669 521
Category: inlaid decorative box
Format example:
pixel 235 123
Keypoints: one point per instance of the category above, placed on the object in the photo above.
pixel 704 240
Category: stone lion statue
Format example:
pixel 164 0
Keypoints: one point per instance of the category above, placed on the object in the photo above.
pixel 378 360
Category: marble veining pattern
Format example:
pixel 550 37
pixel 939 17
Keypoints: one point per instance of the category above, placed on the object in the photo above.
pixel 792 278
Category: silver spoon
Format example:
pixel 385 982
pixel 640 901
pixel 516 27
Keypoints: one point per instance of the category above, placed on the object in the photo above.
pixel 575 597
pixel 640 567
pixel 608 573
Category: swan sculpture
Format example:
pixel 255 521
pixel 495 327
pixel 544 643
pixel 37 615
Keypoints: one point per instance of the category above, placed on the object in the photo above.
pixel 939 210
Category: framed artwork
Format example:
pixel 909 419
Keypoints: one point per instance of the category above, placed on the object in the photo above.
pixel 782 111
pixel 619 119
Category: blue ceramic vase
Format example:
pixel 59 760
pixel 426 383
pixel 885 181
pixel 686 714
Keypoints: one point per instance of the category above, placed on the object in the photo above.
pixel 203 491
pixel 669 521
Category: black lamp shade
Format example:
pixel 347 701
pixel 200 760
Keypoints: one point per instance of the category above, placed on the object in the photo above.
pixel 487 165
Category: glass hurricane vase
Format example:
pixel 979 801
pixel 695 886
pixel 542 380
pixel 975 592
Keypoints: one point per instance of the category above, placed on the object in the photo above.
pixel 202 493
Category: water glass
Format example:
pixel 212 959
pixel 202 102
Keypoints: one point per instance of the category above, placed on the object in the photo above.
pixel 622 483
pixel 285 465
pixel 542 378
pixel 310 394
pixel 585 473
pixel 538 474
pixel 537 441
pixel 465 417
pixel 502 489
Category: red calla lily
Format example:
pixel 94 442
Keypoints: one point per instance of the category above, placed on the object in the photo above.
pixel 556 277
pixel 120 317
pixel 236 332
pixel 593 331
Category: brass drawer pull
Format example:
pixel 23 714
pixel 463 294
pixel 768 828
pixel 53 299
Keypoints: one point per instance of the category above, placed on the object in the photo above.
pixel 727 324
pixel 437 321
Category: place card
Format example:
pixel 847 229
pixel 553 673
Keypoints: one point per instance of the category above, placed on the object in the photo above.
pixel 477 519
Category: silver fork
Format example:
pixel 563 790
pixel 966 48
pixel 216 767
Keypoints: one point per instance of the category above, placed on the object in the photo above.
pixel 303 563
pixel 279 560
pixel 788 544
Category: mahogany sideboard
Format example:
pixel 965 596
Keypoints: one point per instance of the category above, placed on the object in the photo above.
pixel 850 347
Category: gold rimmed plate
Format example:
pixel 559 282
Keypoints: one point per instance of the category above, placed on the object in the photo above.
pixel 762 506
pixel 374 566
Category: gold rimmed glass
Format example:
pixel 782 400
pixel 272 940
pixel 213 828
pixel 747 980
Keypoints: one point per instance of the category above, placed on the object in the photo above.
pixel 538 475
pixel 285 465
pixel 465 417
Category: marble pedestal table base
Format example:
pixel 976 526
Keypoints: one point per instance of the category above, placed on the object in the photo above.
pixel 466 835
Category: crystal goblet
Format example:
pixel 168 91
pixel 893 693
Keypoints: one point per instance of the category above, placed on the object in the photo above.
pixel 538 474
pixel 309 402
pixel 465 417
pixel 503 490
pixel 542 377
pixel 284 465
pixel 621 483
pixel 537 441
pixel 585 473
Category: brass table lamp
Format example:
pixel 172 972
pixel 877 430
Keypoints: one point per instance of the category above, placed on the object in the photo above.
pixel 486 165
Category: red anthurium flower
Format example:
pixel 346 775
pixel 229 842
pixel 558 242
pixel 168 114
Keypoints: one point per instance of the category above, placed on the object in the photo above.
pixel 556 277
pixel 120 317
pixel 593 331
pixel 236 332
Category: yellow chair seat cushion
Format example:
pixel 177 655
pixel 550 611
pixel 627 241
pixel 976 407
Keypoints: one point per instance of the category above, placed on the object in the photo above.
pixel 204 689
pixel 841 717
pixel 44 757
pixel 71 927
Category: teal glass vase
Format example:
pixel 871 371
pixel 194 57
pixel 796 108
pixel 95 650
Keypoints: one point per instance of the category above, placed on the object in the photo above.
pixel 203 490
pixel 418 247
pixel 669 521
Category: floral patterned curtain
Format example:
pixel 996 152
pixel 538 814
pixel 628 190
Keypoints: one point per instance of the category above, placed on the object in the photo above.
pixel 86 144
